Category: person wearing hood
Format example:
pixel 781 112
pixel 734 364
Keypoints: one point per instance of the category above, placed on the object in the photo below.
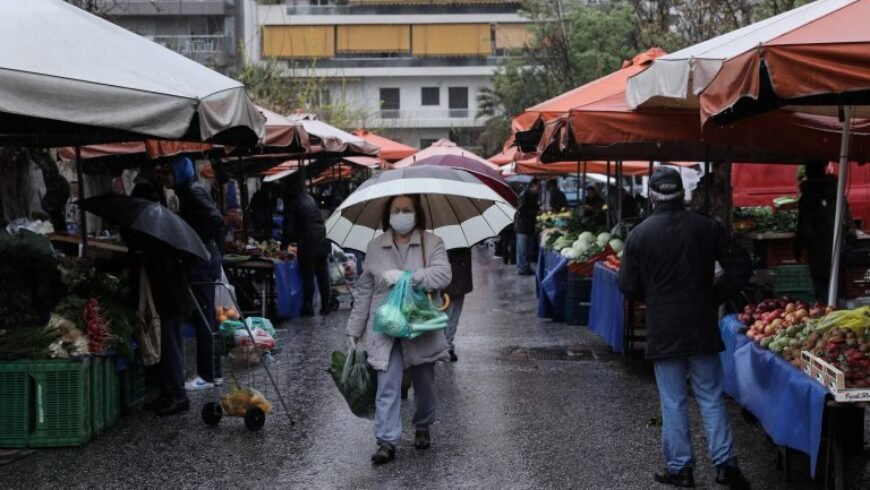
pixel 815 226
pixel 198 210
pixel 404 246
pixel 304 227
pixel 669 264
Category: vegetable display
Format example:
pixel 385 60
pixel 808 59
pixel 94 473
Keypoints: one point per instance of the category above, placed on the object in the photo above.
pixel 761 219
pixel 841 338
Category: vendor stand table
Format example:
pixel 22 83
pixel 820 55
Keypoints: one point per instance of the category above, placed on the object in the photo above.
pixel 771 248
pixel 551 282
pixel 266 287
pixel 791 407
pixel 95 245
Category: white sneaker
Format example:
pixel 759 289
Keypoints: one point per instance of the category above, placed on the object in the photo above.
pixel 197 384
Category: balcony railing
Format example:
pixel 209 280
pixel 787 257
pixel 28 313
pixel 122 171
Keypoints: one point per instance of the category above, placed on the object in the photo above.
pixel 192 45
pixel 439 114
pixel 508 7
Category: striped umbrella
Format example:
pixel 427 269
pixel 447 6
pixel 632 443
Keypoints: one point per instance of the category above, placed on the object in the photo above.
pixel 459 208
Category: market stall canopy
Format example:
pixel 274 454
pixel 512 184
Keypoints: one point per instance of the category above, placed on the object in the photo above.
pixel 282 134
pixel 71 78
pixel 677 79
pixel 136 152
pixel 609 129
pixel 527 125
pixel 290 167
pixel 441 147
pixel 326 138
pixel 816 67
pixel 391 151
pixel 516 164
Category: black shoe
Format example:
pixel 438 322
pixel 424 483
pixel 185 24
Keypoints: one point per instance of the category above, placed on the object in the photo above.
pixel 386 452
pixel 325 311
pixel 154 404
pixel 172 407
pixel 404 393
pixel 307 312
pixel 453 357
pixel 729 474
pixel 683 478
pixel 422 439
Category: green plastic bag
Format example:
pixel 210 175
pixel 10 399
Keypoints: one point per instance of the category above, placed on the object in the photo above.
pixel 407 312
pixel 356 380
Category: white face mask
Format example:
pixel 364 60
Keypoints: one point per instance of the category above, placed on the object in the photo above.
pixel 403 223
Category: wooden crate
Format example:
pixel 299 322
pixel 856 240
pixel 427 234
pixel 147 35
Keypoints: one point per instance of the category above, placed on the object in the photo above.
pixel 833 379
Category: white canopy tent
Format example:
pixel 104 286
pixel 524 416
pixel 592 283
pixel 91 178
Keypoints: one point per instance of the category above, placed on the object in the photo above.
pixel 70 78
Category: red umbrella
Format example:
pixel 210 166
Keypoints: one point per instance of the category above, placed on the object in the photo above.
pixel 486 174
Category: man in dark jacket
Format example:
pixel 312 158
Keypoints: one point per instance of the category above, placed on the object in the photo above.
pixel 261 209
pixel 524 223
pixel 669 263
pixel 304 227
pixel 460 285
pixel 198 210
pixel 815 227
pixel 557 199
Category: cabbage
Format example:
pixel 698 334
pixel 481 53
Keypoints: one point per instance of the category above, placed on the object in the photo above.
pixel 570 253
pixel 603 238
pixel 589 237
pixel 581 245
pixel 617 245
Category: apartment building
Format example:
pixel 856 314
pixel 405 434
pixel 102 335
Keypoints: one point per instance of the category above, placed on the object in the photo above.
pixel 416 67
pixel 203 30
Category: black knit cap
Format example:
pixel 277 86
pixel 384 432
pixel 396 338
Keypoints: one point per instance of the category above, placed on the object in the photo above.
pixel 666 180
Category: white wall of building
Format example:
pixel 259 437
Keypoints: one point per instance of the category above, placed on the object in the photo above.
pixel 365 93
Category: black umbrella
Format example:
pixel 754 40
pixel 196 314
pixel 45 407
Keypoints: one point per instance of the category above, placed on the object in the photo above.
pixel 149 218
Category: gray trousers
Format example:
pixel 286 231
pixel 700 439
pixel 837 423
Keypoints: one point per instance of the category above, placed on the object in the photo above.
pixel 454 311
pixel 388 415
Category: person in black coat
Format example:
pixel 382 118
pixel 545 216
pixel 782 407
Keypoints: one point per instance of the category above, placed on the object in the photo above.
pixel 669 263
pixel 198 210
pixel 557 199
pixel 460 285
pixel 304 227
pixel 524 225
pixel 261 209
pixel 815 226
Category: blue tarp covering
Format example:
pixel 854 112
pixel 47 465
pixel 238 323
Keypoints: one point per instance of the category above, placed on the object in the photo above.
pixel 788 403
pixel 606 314
pixel 552 277
pixel 288 287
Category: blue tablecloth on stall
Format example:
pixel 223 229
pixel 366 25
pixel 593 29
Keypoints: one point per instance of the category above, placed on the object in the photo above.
pixel 551 278
pixel 733 339
pixel 606 314
pixel 788 403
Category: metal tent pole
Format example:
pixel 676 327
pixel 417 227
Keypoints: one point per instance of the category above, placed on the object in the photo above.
pixel 607 214
pixel 83 221
pixel 243 195
pixel 841 204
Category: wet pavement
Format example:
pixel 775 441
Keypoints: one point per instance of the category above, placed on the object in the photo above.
pixel 504 421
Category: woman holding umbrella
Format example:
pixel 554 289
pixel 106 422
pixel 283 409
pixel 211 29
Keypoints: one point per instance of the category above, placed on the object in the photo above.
pixel 403 246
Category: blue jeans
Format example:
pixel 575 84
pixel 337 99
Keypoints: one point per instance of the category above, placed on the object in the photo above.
pixel 523 243
pixel 705 373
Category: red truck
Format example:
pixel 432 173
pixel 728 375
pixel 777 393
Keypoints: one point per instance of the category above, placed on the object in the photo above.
pixel 755 184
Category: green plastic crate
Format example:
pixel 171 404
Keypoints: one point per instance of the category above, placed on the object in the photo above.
pixel 45 403
pixel 15 404
pixel 133 387
pixel 98 389
pixel 111 392
pixel 61 408
pixel 792 278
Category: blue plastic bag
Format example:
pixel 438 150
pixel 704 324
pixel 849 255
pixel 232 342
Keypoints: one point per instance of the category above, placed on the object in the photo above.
pixel 407 312
pixel 288 285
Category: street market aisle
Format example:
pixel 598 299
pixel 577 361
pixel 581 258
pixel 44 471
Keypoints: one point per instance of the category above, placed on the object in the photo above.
pixel 505 421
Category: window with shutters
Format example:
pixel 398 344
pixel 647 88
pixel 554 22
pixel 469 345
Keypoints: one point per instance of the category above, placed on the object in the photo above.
pixel 430 96
pixel 390 103
pixel 458 101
